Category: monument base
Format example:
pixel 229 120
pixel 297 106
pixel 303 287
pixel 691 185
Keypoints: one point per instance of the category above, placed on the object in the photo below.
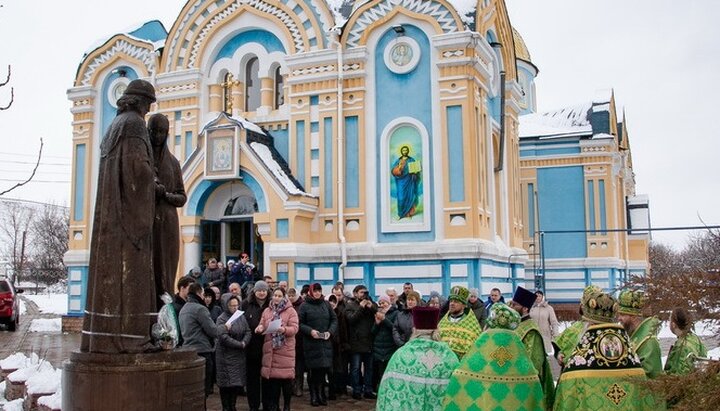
pixel 167 380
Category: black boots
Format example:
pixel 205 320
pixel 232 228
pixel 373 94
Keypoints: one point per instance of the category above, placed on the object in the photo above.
pixel 321 393
pixel 314 395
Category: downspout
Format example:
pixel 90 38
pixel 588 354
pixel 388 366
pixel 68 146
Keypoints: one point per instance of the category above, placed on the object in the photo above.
pixel 340 161
pixel 501 152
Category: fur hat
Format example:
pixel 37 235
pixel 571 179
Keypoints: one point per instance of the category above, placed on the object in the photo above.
pixel 425 318
pixel 502 316
pixel 631 302
pixel 524 297
pixel 599 307
pixel 140 87
pixel 459 294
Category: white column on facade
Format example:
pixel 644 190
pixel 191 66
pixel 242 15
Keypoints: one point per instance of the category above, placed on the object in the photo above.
pixel 191 248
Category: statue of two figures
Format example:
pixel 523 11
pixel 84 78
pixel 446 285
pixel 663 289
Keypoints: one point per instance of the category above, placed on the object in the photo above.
pixel 135 239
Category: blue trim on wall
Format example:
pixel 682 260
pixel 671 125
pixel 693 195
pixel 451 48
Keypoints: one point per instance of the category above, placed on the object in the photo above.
pixel 151 31
pixel 528 152
pixel 282 143
pixel 601 197
pixel 83 282
pixel 199 196
pixel 531 209
pixel 79 200
pixel 109 112
pixel 314 100
pixel 188 144
pixel 300 152
pixel 561 199
pixel 328 177
pixel 282 226
pixel 591 203
pixel 391 90
pixel 456 163
pixel 264 38
pixel 314 126
pixel 352 163
pixel 257 190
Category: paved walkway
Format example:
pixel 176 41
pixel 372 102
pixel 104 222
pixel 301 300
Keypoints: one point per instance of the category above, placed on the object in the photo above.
pixel 56 347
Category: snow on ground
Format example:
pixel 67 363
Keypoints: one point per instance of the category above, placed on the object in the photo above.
pixel 14 405
pixel 702 328
pixel 54 402
pixel 714 353
pixel 50 303
pixel 46 325
pixel 23 309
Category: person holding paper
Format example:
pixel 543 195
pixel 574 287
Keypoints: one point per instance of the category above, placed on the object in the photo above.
pixel 233 336
pixel 279 323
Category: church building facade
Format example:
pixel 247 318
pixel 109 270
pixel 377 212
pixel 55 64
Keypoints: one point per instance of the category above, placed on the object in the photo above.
pixel 372 142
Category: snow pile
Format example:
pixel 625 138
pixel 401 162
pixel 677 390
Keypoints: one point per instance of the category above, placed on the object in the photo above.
pixel 23 374
pixel 266 157
pixel 50 303
pixel 14 405
pixel 44 382
pixel 714 353
pixel 18 360
pixel 23 309
pixel 567 121
pixel 54 402
pixel 46 325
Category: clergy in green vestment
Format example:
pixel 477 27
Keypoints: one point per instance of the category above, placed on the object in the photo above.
pixel 603 372
pixel 566 342
pixel 643 331
pixel 688 346
pixel 529 333
pixel 418 372
pixel 459 328
pixel 496 374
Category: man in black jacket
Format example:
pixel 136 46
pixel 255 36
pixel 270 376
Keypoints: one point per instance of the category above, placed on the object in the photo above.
pixel 360 316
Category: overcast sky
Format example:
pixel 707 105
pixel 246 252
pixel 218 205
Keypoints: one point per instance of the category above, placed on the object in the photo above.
pixel 661 57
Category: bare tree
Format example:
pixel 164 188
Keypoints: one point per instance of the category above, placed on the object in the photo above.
pixel 15 222
pixel 12 90
pixel 49 231
pixel 37 164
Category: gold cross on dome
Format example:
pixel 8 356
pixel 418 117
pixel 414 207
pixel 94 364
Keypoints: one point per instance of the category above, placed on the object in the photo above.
pixel 616 394
pixel 501 355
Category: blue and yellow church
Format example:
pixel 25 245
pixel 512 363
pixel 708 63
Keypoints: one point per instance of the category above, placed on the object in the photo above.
pixel 373 142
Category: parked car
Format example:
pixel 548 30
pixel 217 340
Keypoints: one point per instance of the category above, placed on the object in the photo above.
pixel 9 305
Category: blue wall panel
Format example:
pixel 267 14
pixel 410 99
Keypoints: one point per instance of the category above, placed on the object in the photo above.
pixel 561 201
pixel 261 37
pixel 456 163
pixel 300 151
pixel 591 205
pixel 531 209
pixel 352 163
pixel 282 143
pixel 329 179
pixel 601 198
pixel 79 200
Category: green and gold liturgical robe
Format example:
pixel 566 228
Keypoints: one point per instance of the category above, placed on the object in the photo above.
pixel 416 377
pixel 603 373
pixel 529 333
pixel 569 338
pixel 680 358
pixel 646 345
pixel 459 335
pixel 496 374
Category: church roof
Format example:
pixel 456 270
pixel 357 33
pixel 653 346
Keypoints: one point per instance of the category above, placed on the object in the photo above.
pixel 521 50
pixel 588 119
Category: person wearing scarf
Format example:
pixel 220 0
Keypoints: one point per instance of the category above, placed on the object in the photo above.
pixel 253 308
pixel 278 361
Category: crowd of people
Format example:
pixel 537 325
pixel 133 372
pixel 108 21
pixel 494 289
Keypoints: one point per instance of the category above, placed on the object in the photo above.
pixel 412 353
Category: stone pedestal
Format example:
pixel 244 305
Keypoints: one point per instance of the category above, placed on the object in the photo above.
pixel 168 380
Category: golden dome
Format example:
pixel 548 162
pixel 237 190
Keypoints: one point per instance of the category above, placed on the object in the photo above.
pixel 521 50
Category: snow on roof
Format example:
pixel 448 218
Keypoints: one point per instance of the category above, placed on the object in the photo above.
pixel 157 44
pixel 566 121
pixel 335 7
pixel 600 136
pixel 603 96
pixel 266 157
pixel 248 125
pixel 466 10
pixel 44 382
pixel 54 402
pixel 600 107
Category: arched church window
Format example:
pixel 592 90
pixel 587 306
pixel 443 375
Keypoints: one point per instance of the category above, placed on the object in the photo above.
pixel 252 84
pixel 241 205
pixel 279 84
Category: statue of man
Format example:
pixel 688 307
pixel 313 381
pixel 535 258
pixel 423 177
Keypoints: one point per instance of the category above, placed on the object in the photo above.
pixel 166 231
pixel 121 297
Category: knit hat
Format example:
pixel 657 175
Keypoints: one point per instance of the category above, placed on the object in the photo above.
pixel 316 286
pixel 425 318
pixel 384 298
pixel 230 262
pixel 524 297
pixel 260 286
pixel 631 302
pixel 142 88
pixel 599 307
pixel 502 316
pixel 459 294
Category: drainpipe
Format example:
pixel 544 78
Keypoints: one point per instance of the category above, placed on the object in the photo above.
pixel 340 160
pixel 501 151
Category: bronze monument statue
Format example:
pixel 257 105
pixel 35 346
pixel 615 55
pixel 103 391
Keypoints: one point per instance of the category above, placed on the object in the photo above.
pixel 166 232
pixel 121 298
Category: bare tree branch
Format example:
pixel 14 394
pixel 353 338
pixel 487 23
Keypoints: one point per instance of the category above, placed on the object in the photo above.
pixel 12 90
pixel 31 175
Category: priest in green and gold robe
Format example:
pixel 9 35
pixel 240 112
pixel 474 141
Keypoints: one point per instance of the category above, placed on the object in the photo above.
pixel 418 372
pixel 529 333
pixel 603 372
pixel 688 346
pixel 459 328
pixel 643 331
pixel 497 373
pixel 566 342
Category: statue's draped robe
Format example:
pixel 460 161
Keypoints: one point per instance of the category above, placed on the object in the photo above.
pixel 529 333
pixel 604 373
pixel 166 231
pixel 121 302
